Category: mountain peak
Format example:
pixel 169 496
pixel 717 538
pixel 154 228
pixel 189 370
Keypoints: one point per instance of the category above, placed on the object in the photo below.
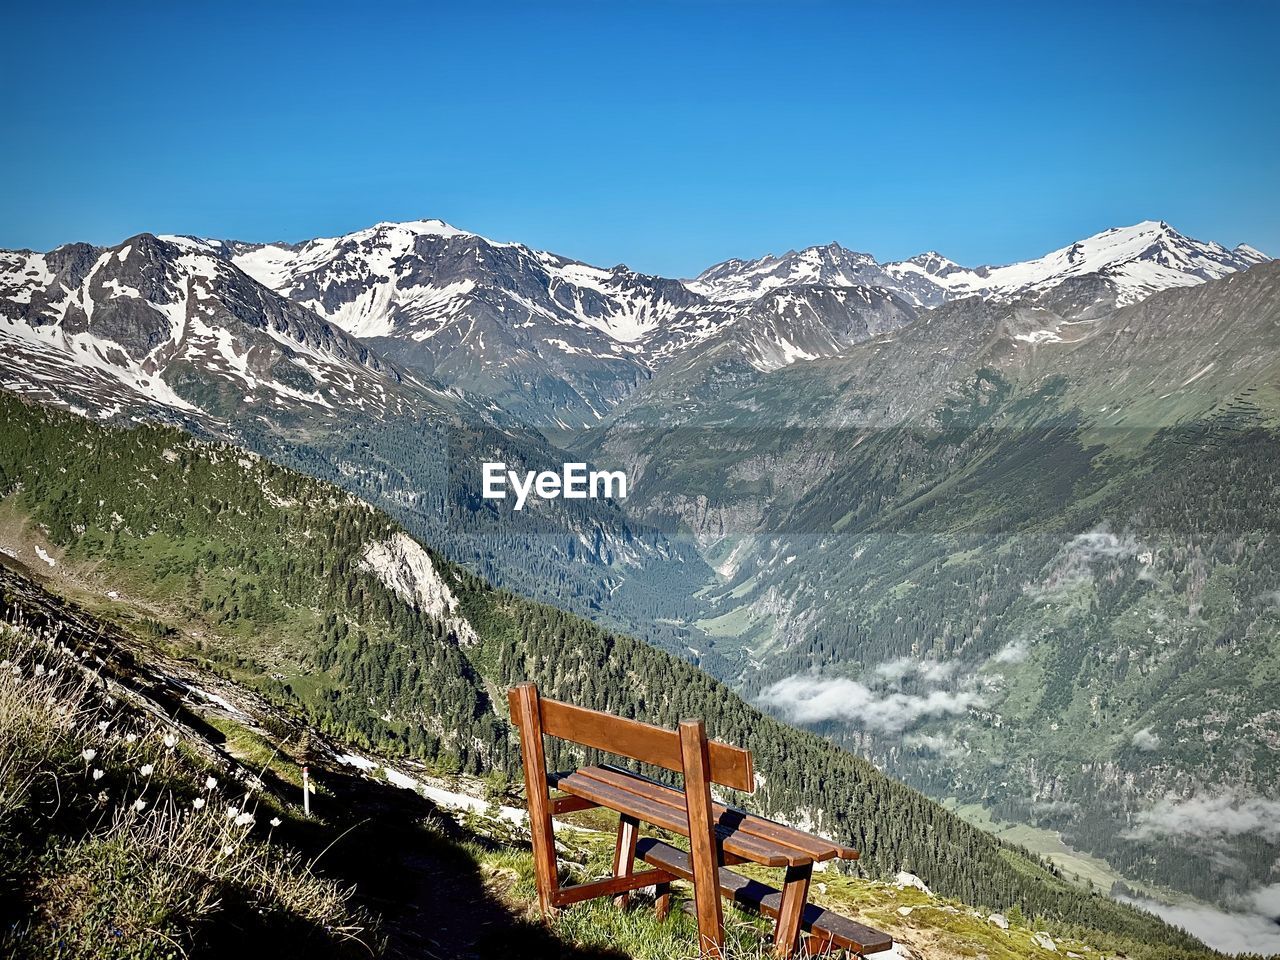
pixel 933 263
pixel 828 264
pixel 404 230
pixel 430 226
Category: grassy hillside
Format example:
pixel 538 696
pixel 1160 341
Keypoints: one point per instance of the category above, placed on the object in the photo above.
pixel 121 838
pixel 322 604
pixel 218 858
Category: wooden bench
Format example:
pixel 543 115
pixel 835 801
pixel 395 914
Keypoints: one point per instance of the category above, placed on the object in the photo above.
pixel 719 836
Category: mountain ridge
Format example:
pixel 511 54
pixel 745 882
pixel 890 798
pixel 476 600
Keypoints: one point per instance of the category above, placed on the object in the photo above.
pixel 558 343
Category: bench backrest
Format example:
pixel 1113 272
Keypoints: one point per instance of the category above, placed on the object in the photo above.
pixel 727 765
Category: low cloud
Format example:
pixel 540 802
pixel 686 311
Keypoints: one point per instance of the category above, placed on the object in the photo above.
pixel 1225 813
pixel 1267 900
pixel 812 699
pixel 1054 808
pixel 934 743
pixel 894 671
pixel 1014 652
pixel 1252 929
pixel 1146 739
pixel 1073 566
pixel 930 671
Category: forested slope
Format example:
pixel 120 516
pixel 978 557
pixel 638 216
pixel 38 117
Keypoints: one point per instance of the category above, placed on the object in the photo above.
pixel 322 602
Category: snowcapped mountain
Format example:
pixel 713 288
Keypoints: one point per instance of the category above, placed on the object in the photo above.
pixel 420 274
pixel 1133 262
pixel 831 265
pixel 1128 263
pixel 165 325
pixel 793 324
pixel 554 340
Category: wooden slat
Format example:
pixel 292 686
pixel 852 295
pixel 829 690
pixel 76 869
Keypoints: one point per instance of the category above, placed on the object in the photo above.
pixel 730 766
pixel 610 887
pixel 749 846
pixel 816 847
pixel 660 815
pixel 840 931
pixel 696 761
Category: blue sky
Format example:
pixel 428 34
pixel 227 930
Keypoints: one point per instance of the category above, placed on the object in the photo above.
pixel 664 135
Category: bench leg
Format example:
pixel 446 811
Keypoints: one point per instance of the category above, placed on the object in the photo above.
pixel 662 905
pixel 527 712
pixel 703 853
pixel 817 946
pixel 624 855
pixel 795 894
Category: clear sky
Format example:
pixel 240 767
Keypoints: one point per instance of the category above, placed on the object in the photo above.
pixel 664 135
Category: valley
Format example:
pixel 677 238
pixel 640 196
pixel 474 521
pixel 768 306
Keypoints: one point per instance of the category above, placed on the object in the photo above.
pixel 1007 532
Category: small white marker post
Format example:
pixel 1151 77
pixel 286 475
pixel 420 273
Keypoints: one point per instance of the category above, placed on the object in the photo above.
pixel 306 792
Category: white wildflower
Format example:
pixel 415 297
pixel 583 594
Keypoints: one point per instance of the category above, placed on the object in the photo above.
pixel 228 850
pixel 88 754
pixel 198 802
pixel 210 783
pixel 130 738
pixel 275 821
pixel 102 726
pixel 244 820
pixel 170 741
pixel 97 774
pixel 139 804
pixel 233 812
pixel 148 769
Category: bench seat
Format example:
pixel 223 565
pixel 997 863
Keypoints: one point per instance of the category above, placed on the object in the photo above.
pixel 740 834
pixel 825 926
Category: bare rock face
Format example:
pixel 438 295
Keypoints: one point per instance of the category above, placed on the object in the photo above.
pixel 169 323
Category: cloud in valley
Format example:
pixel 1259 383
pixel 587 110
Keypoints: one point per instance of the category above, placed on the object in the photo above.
pixel 931 671
pixel 1146 739
pixel 1252 929
pixel 1013 652
pixel 933 742
pixel 812 699
pixel 1073 566
pixel 1224 813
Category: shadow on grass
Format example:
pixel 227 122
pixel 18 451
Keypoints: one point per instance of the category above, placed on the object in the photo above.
pixel 424 884
pixel 421 883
